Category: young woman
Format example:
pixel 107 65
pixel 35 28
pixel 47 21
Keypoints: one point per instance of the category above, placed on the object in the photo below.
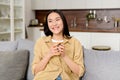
pixel 57 56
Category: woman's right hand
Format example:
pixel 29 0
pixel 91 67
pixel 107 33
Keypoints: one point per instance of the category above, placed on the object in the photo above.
pixel 54 50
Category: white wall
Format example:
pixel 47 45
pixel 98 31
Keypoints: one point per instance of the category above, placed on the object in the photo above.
pixel 29 14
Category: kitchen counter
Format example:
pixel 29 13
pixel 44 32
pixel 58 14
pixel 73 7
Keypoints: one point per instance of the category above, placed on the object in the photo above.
pixel 88 29
pixel 112 30
pixel 87 37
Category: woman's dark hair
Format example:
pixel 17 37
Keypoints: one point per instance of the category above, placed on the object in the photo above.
pixel 65 25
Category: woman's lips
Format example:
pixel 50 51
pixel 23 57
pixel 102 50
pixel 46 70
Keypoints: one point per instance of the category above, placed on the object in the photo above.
pixel 55 28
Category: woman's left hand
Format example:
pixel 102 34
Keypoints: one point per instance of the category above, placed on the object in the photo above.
pixel 61 49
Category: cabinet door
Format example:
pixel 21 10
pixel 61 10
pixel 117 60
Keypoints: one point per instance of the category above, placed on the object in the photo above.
pixel 43 4
pixel 83 37
pixel 50 4
pixel 5 29
pixel 19 21
pixel 110 3
pixel 37 4
pixel 33 33
pixel 107 39
pixel 70 4
pixel 93 4
pixel 53 4
pixel 12 24
pixel 102 4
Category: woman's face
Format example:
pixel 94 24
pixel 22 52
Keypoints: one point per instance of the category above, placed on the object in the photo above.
pixel 55 23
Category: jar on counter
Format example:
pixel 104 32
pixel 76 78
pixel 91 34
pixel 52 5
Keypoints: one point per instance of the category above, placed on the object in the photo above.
pixel 116 23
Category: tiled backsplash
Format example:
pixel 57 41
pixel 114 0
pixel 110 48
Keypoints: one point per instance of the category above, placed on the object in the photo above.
pixel 105 18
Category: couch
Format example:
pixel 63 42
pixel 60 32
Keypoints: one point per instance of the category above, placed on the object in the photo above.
pixel 16 58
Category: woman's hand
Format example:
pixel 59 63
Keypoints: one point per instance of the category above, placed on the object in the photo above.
pixel 61 50
pixel 54 50
pixel 57 49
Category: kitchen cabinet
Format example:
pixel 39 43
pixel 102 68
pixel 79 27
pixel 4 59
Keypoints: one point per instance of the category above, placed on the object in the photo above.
pixel 110 3
pixel 93 4
pixel 34 33
pixel 83 37
pixel 12 22
pixel 50 4
pixel 74 4
pixel 102 4
pixel 43 4
pixel 37 4
pixel 109 39
pixel 58 4
pixel 71 4
pixel 89 39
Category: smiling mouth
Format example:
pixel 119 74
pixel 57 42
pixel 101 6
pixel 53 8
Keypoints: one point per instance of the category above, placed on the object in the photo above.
pixel 55 28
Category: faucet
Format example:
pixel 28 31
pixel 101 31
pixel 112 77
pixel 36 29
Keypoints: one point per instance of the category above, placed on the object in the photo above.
pixel 74 22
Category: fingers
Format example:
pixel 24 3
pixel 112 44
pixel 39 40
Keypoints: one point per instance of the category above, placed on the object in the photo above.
pixel 57 49
pixel 61 48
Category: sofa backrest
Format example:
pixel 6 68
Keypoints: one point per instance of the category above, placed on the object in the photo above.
pixel 8 45
pixel 27 45
pixel 101 65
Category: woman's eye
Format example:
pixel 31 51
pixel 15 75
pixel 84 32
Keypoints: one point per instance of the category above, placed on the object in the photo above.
pixel 57 19
pixel 49 21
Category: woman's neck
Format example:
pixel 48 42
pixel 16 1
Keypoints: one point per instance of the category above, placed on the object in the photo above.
pixel 57 37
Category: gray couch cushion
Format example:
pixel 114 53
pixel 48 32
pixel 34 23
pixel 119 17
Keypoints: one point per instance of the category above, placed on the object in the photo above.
pixel 8 45
pixel 13 64
pixel 102 65
pixel 28 45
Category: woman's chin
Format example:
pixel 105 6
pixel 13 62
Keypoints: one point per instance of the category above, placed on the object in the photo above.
pixel 56 32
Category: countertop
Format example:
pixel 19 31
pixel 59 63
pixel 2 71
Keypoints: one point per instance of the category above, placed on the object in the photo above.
pixel 78 29
pixel 113 30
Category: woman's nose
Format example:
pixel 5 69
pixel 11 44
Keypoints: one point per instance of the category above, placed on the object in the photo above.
pixel 54 23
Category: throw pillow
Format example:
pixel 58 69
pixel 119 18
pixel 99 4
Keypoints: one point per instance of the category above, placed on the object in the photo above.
pixel 8 45
pixel 13 64
pixel 101 65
